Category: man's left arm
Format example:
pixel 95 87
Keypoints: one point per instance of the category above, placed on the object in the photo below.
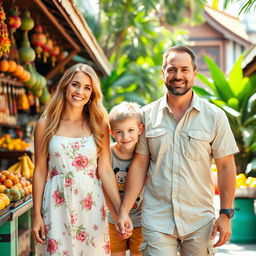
pixel 227 185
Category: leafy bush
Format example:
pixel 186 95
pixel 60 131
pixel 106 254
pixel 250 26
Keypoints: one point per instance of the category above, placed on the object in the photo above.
pixel 236 95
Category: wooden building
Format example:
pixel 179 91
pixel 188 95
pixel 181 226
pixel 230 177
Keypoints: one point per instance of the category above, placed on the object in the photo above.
pixel 249 62
pixel 221 37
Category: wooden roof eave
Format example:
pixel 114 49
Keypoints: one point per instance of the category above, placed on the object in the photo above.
pixel 249 61
pixel 83 32
pixel 226 33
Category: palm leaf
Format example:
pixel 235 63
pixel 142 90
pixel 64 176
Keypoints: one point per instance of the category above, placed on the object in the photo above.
pixel 219 79
pixel 236 77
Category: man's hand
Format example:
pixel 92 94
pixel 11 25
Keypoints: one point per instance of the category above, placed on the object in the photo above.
pixel 124 226
pixel 223 226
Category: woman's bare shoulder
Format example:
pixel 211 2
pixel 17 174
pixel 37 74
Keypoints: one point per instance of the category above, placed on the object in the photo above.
pixel 41 124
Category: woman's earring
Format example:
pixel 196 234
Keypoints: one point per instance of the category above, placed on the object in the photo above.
pixel 89 102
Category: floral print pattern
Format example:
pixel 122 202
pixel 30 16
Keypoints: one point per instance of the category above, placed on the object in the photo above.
pixel 73 208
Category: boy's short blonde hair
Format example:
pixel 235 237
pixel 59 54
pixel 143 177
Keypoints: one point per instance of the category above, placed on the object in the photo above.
pixel 124 111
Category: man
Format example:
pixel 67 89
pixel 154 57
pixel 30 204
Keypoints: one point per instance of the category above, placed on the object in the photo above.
pixel 182 135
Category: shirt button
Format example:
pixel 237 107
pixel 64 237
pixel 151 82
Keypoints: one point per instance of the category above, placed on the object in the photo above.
pixel 174 176
pixel 174 195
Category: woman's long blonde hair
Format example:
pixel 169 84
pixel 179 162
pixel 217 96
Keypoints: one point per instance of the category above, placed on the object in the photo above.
pixel 94 110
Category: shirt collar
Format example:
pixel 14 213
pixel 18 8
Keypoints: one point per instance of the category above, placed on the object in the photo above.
pixel 195 103
pixel 163 102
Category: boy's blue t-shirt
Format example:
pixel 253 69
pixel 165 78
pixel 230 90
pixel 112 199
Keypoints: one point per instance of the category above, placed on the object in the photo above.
pixel 120 168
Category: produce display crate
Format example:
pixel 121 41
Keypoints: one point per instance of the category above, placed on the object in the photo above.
pixel 27 197
pixel 5 210
pixel 15 225
pixel 17 203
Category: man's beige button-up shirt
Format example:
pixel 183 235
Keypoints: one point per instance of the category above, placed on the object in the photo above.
pixel 179 191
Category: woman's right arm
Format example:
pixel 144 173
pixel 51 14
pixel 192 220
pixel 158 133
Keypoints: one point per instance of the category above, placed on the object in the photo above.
pixel 39 180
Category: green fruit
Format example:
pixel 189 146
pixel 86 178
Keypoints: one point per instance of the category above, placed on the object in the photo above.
pixel 22 193
pixel 31 81
pixel 45 97
pixel 15 194
pixel 8 193
pixel 27 23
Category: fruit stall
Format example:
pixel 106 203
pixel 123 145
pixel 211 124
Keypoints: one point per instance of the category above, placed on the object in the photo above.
pixel 39 39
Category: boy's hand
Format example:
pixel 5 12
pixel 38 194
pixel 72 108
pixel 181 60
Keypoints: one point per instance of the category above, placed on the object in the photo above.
pixel 124 226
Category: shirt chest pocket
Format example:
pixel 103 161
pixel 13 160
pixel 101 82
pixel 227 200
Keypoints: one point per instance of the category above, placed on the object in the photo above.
pixel 197 144
pixel 157 141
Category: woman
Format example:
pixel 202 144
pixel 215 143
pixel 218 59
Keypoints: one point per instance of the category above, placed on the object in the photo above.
pixel 71 143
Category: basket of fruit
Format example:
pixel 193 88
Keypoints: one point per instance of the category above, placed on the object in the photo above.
pixel 15 184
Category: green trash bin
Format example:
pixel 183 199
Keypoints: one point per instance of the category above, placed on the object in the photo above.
pixel 244 221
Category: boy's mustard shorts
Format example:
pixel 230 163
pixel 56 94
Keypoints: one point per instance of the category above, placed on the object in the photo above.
pixel 117 244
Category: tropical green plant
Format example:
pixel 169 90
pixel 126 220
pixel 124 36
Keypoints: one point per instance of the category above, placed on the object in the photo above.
pixel 133 35
pixel 139 80
pixel 245 6
pixel 236 95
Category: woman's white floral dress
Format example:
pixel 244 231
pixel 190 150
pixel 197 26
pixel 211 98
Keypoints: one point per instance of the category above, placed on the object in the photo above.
pixel 73 206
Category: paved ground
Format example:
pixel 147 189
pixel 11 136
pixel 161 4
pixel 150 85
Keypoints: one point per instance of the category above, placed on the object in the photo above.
pixel 231 249
pixel 237 250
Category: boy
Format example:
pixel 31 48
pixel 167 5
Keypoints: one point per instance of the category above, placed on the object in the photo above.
pixel 125 127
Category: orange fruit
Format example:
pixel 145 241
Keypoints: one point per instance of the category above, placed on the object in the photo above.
pixel 27 182
pixel 16 180
pixel 5 172
pixel 2 204
pixel 17 147
pixel 10 147
pixel 8 183
pixel 11 176
pixel 30 188
pixel 7 135
pixel 23 183
pixel 4 65
pixel 2 188
pixel 22 75
pixel 22 178
pixel 2 178
pixel 18 71
pixel 18 185
pixel 26 190
pixel 26 76
pixel 5 198
pixel 12 66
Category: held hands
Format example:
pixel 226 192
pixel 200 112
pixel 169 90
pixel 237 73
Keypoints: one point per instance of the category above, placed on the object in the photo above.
pixel 223 226
pixel 38 230
pixel 123 226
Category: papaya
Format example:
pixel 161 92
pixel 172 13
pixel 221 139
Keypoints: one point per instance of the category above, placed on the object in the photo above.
pixel 13 194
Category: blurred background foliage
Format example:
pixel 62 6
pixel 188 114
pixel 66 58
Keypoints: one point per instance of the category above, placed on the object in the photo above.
pixel 236 95
pixel 132 34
